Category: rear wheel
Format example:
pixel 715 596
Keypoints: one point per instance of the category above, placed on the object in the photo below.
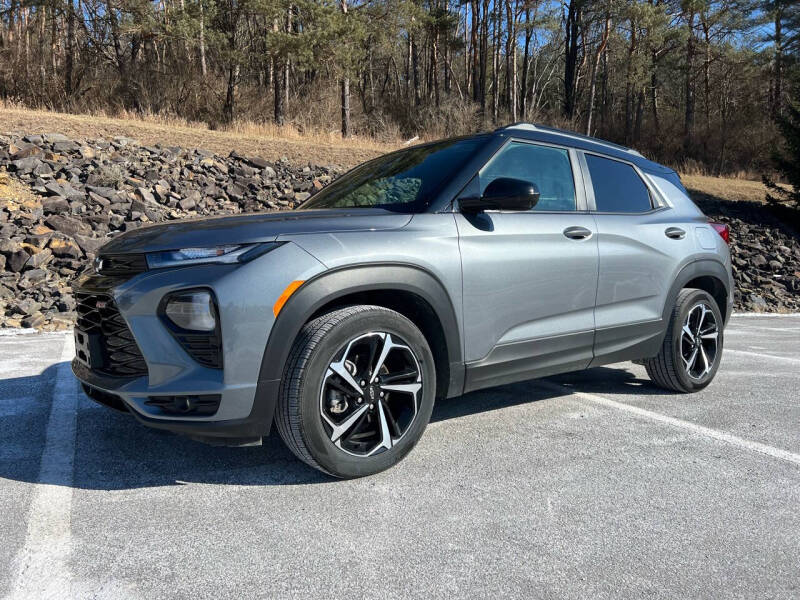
pixel 357 391
pixel 692 348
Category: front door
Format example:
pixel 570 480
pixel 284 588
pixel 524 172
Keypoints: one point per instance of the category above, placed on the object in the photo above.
pixel 529 278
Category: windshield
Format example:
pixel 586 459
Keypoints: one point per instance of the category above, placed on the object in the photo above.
pixel 404 181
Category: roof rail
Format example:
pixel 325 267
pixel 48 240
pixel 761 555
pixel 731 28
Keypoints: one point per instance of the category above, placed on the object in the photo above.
pixel 566 133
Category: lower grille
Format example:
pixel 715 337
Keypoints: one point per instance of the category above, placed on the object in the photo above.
pixel 119 354
pixel 104 398
pixel 205 348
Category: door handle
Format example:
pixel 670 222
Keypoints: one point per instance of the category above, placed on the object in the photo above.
pixel 675 233
pixel 577 233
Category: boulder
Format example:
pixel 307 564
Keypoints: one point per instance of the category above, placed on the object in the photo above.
pixel 68 225
pixel 65 248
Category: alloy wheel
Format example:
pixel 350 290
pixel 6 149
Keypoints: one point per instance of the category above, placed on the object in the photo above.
pixel 370 393
pixel 699 339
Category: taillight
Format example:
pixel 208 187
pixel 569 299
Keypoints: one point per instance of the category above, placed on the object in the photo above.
pixel 723 230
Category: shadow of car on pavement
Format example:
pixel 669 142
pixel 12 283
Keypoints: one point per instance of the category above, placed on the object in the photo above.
pixel 115 452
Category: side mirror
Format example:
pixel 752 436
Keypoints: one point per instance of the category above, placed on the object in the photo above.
pixel 504 193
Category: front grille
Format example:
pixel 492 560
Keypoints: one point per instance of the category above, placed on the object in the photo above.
pixel 119 354
pixel 122 265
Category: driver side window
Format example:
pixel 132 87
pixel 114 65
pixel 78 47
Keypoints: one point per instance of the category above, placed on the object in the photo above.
pixel 548 168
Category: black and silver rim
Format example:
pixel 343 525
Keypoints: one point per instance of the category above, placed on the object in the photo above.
pixel 699 339
pixel 370 394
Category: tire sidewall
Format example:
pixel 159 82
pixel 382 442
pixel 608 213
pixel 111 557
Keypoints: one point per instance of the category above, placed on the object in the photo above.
pixel 687 304
pixel 331 458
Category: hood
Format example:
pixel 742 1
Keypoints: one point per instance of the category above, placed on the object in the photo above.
pixel 252 228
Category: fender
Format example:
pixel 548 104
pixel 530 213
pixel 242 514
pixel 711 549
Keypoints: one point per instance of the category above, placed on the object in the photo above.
pixel 704 267
pixel 330 285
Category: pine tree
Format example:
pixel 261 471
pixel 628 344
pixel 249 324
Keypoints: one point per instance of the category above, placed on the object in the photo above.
pixel 787 162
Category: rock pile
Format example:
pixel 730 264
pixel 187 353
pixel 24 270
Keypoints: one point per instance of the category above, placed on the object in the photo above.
pixel 84 192
pixel 79 193
pixel 765 255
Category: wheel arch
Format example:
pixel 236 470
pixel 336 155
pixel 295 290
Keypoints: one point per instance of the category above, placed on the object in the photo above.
pixel 410 290
pixel 707 275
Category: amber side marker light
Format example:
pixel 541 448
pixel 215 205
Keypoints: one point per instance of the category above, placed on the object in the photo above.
pixel 287 293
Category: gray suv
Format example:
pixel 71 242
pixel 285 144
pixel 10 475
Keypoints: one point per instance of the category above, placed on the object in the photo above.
pixel 426 273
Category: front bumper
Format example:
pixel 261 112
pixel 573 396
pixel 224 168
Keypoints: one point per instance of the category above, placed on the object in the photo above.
pixel 245 294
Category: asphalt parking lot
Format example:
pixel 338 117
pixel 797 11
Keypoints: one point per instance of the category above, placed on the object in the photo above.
pixel 594 484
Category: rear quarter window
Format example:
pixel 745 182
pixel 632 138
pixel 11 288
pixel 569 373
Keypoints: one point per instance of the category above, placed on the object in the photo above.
pixel 617 186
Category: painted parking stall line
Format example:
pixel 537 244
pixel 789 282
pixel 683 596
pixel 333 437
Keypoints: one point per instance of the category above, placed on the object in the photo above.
pixel 40 568
pixel 693 427
pixel 761 355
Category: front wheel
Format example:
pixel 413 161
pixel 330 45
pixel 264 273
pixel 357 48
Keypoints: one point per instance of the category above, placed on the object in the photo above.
pixel 692 348
pixel 357 392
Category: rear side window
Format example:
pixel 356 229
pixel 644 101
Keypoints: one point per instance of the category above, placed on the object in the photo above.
pixel 617 186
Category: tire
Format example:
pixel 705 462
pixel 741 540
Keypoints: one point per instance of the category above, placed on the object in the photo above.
pixel 321 417
pixel 688 363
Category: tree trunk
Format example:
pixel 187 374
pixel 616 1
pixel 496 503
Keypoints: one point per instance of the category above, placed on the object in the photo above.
pixel 279 97
pixel 637 126
pixel 446 50
pixel 203 67
pixel 346 108
pixel 525 58
pixel 476 77
pixel 571 47
pixel 688 119
pixel 69 62
pixel 629 84
pixel 287 64
pixel 415 69
pixel 654 85
pixel 484 56
pixel 495 61
pixel 435 65
pixel 277 85
pixel 345 86
pixel 776 106
pixel 707 77
pixel 228 110
pixel 601 46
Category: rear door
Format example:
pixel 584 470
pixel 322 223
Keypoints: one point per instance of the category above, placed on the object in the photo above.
pixel 529 278
pixel 640 249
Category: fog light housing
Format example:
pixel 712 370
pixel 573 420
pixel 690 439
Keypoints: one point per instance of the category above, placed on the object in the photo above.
pixel 193 310
pixel 191 316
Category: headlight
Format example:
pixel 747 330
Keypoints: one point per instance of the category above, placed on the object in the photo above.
pixel 232 253
pixel 193 310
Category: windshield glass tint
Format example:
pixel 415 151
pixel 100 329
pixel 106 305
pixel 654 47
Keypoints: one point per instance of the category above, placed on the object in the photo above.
pixel 404 181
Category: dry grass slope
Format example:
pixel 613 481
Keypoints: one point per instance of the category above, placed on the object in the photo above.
pixel 272 143
pixel 266 141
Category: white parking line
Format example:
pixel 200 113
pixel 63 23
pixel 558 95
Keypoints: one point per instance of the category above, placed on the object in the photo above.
pixel 40 568
pixel 757 315
pixel 693 427
pixel 760 355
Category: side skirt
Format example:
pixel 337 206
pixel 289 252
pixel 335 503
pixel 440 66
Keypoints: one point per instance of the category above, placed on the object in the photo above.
pixel 530 359
pixel 628 342
pixel 542 357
